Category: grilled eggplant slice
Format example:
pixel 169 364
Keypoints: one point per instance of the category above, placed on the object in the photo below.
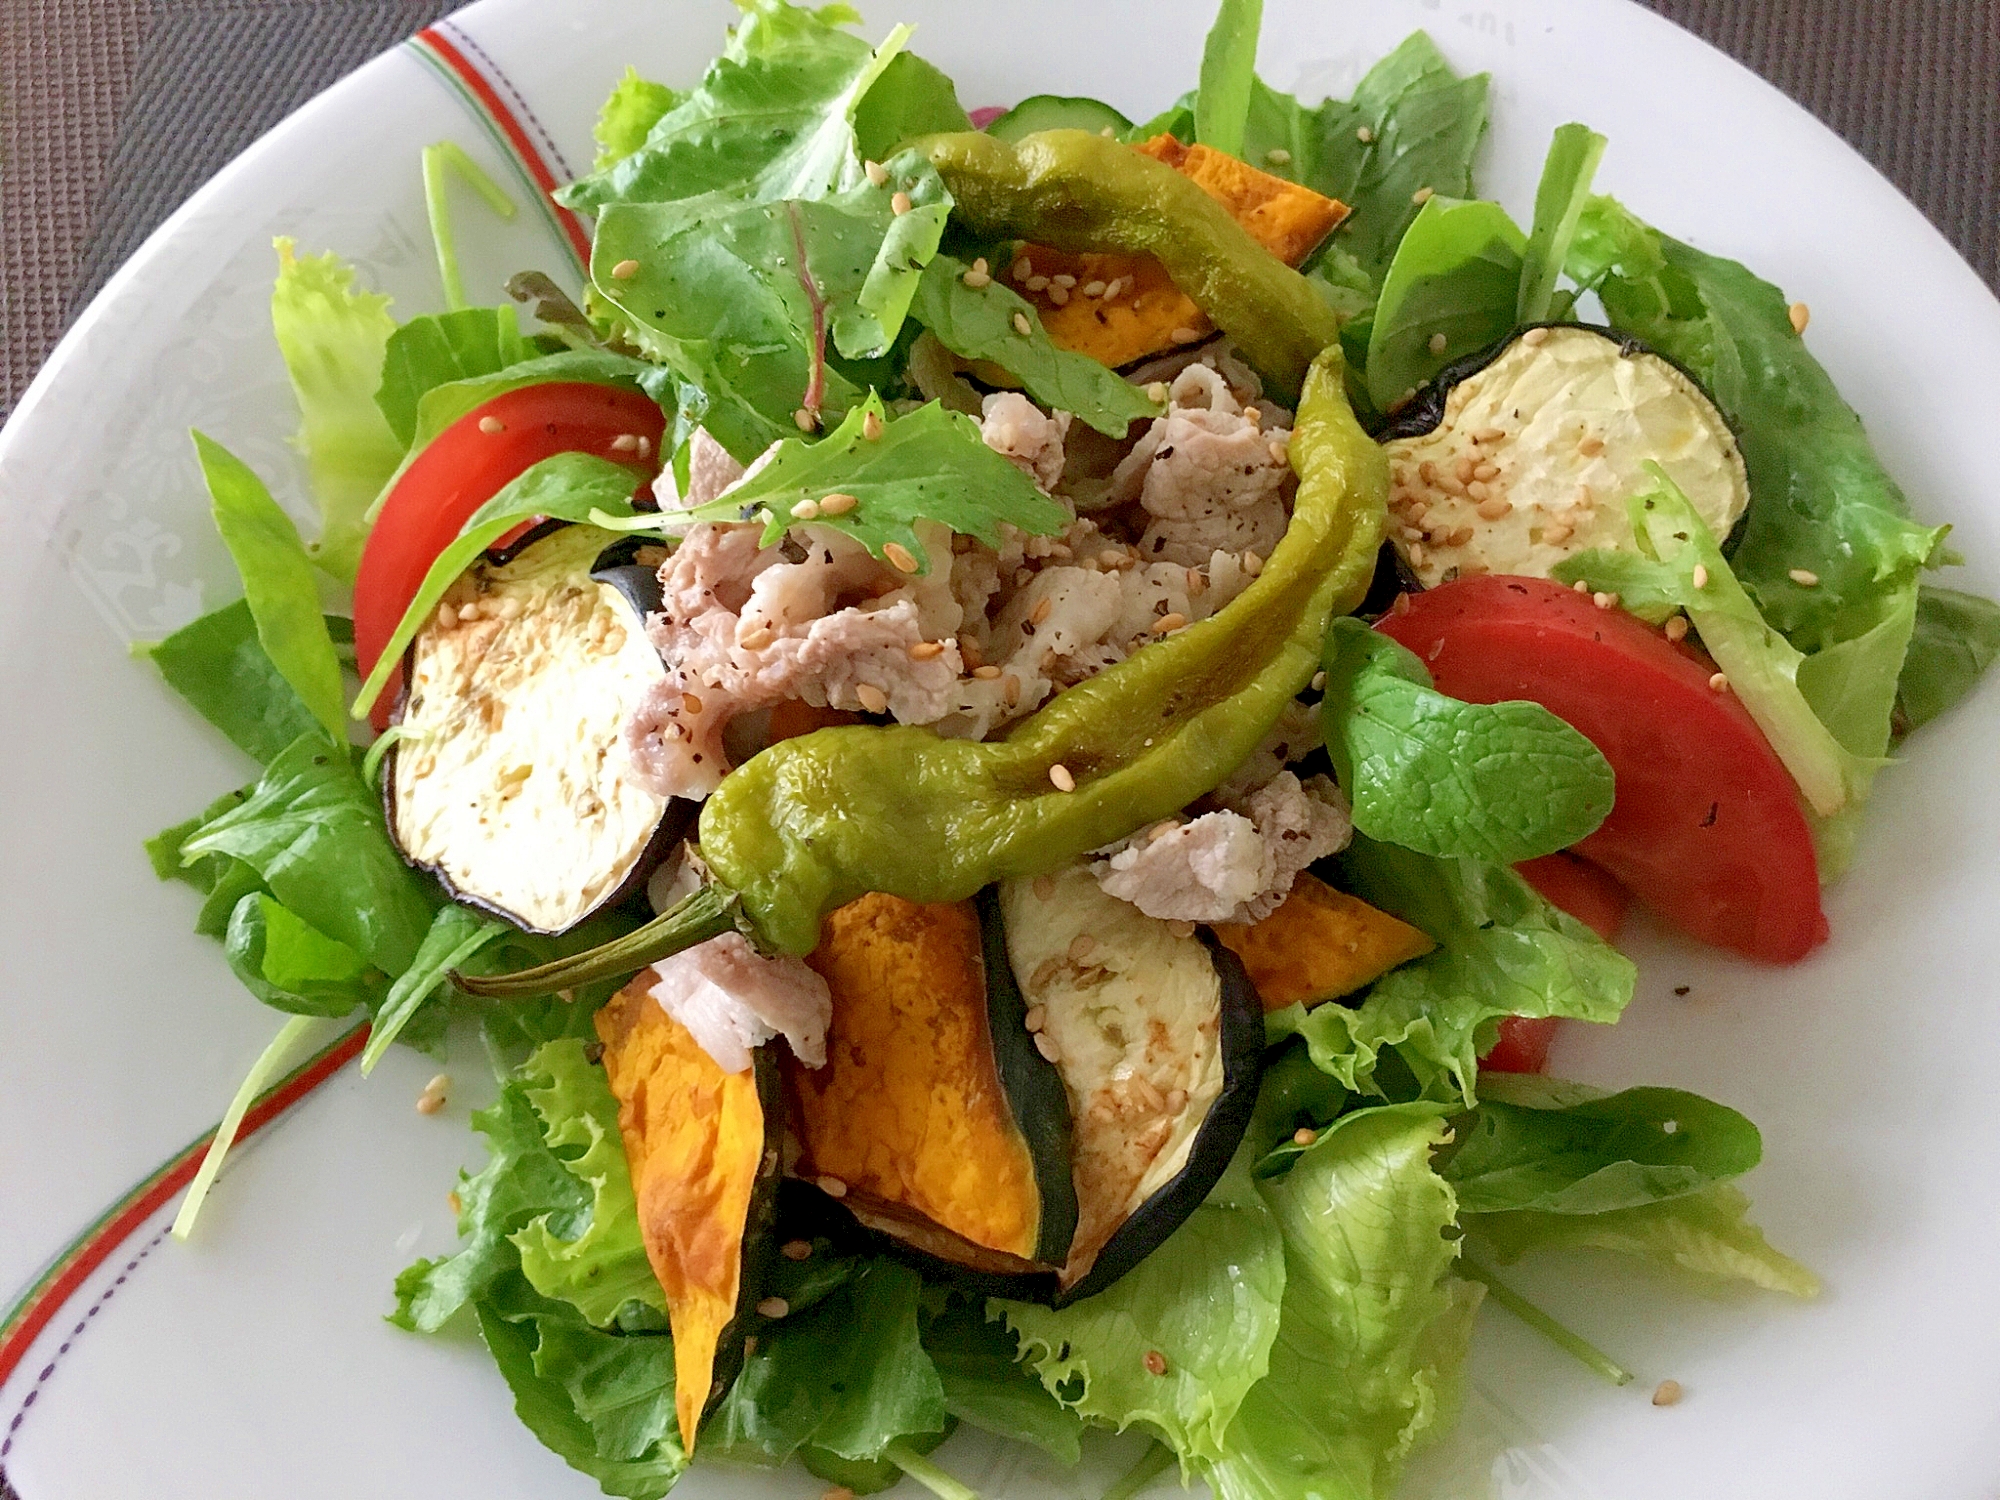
pixel 1524 454
pixel 1159 1039
pixel 704 1148
pixel 509 781
pixel 945 1130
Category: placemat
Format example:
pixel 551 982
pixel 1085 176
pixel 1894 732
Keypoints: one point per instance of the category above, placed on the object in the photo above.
pixel 113 111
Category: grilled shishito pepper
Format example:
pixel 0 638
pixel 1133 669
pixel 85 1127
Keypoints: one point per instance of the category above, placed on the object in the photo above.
pixel 818 821
pixel 1078 191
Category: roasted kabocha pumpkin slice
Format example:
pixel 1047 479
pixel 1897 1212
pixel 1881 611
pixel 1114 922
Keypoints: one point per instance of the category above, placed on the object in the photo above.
pixel 510 781
pixel 935 1120
pixel 1320 944
pixel 703 1146
pixel 1159 1038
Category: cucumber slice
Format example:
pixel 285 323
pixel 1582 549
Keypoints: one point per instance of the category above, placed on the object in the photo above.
pixel 1057 112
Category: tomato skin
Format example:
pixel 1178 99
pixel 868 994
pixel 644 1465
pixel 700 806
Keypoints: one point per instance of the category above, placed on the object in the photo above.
pixel 1582 889
pixel 464 467
pixel 1706 828
pixel 1523 1046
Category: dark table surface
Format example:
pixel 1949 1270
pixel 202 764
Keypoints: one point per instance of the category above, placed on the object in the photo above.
pixel 114 111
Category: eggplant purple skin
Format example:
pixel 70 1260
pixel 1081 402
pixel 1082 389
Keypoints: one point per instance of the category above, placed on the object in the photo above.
pixel 1424 411
pixel 639 587
pixel 1214 1145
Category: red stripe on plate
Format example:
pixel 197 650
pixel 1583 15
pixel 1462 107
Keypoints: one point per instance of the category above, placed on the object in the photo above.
pixel 524 148
pixel 95 1245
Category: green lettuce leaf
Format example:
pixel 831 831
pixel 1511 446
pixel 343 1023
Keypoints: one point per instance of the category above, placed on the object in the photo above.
pixel 1560 199
pixel 218 665
pixel 909 99
pixel 978 323
pixel 1821 501
pixel 628 117
pixel 1705 1235
pixel 1422 125
pixel 812 1381
pixel 1955 638
pixel 747 299
pixel 565 487
pixel 603 1402
pixel 334 340
pixel 1457 272
pixel 1502 951
pixel 772 119
pixel 1374 1328
pixel 1207 1300
pixel 292 966
pixel 1502 782
pixel 441 348
pixel 1595 1155
pixel 314 833
pixel 456 934
pixel 597 1263
pixel 1228 76
pixel 278 584
pixel 977 1361
pixel 928 466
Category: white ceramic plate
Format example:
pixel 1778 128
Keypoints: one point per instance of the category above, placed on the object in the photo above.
pixel 255 1361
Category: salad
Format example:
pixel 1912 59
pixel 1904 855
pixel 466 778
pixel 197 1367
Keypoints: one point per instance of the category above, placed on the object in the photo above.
pixel 1017 728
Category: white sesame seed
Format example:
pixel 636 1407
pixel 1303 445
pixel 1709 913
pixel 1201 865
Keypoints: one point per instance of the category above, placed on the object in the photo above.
pixel 1185 335
pixel 1169 622
pixel 1363 134
pixel 1080 947
pixel 1065 281
pixel 1252 564
pixel 625 442
pixel 1494 508
pixel 773 1307
pixel 758 639
pixel 1022 269
pixel 1677 627
pixel 1667 1393
pixel 871 425
pixel 976 278
pixel 1093 289
pixel 1157 391
pixel 1805 578
pixel 1037 283
pixel 833 1187
pixel 899 203
pixel 1580 586
pixel 1108 133
pixel 1719 682
pixel 1535 336
pixel 1037 1015
pixel 1278 156
pixel 429 1103
pixel 926 650
pixel 838 504
pixel 1059 296
pixel 1021 324
pixel 1700 576
pixel 1045 887
pixel 1423 195
pixel 796 1250
pixel 625 270
pixel 1800 315
pixel 804 420
pixel 986 672
pixel 1603 600
pixel 1319 682
pixel 1045 1044
pixel 1060 778
pixel 1591 446
pixel 900 557
pixel 1489 434
pixel 877 173
pixel 806 510
pixel 491 426
pixel 1438 343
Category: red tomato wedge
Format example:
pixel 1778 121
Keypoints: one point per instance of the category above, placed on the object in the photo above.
pixel 466 465
pixel 1591 896
pixel 1707 828
pixel 1523 1046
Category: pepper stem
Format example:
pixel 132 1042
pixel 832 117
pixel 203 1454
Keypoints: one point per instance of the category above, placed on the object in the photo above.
pixel 1580 1348
pixel 926 1473
pixel 709 912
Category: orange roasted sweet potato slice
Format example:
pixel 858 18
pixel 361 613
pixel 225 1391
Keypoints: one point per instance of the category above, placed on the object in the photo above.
pixel 1321 944
pixel 1144 313
pixel 946 1129
pixel 705 1177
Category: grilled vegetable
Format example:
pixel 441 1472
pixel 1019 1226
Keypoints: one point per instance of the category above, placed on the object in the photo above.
pixel 1138 310
pixel 1321 944
pixel 1159 1039
pixel 509 780
pixel 946 1130
pixel 703 1147
pixel 1523 455
pixel 1057 112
